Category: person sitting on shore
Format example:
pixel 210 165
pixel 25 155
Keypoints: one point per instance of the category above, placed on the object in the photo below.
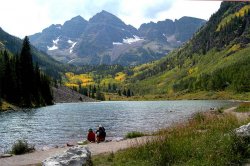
pixel 100 134
pixel 91 136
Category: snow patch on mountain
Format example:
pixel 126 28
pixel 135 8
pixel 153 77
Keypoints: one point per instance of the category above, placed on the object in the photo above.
pixel 71 61
pixel 132 40
pixel 117 43
pixel 129 40
pixel 59 27
pixel 52 48
pixel 71 48
pixel 55 43
pixel 70 42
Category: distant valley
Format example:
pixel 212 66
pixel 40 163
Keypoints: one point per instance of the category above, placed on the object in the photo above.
pixel 106 39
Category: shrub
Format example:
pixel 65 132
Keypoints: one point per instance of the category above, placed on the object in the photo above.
pixel 199 117
pixel 220 110
pixel 134 134
pixel 21 147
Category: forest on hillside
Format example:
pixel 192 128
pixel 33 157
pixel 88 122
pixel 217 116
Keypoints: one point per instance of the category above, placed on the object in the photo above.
pixel 22 83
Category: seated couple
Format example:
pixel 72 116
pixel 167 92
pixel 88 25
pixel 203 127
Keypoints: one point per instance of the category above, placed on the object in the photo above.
pixel 99 136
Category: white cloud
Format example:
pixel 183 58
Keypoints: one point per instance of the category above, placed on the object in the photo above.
pixel 180 8
pixel 27 17
pixel 22 18
pixel 199 9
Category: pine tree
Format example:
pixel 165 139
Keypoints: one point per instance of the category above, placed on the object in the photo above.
pixel 99 95
pixel 119 92
pixel 1 77
pixel 94 89
pixel 20 83
pixel 128 93
pixel 26 73
pixel 109 87
pixel 114 87
pixel 92 94
pixel 124 92
pixel 45 90
pixel 37 86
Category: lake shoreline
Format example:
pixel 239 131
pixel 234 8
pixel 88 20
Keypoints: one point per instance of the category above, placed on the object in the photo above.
pixel 36 157
pixel 62 123
pixel 200 95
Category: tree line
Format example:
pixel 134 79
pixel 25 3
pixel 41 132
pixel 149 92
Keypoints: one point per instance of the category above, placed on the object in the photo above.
pixel 235 77
pixel 22 83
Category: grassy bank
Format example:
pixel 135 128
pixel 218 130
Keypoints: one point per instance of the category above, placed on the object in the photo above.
pixel 207 139
pixel 5 106
pixel 200 95
pixel 243 107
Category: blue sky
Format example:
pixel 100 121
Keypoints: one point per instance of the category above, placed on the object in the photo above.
pixel 26 17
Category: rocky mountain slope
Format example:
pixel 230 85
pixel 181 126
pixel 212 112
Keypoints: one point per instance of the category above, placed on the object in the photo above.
pixel 106 39
pixel 62 94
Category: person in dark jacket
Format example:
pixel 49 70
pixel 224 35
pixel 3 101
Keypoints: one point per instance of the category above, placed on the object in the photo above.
pixel 100 134
pixel 91 136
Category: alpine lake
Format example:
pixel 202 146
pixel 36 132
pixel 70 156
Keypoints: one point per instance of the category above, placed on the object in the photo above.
pixel 69 122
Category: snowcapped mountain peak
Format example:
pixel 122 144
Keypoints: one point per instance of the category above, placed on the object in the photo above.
pixel 106 39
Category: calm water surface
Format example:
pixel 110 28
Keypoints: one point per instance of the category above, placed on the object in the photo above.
pixel 62 123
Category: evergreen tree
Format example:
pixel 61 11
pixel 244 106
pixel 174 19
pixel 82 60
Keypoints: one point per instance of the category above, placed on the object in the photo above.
pixel 128 93
pixel 109 87
pixel 119 92
pixel 37 86
pixel 92 94
pixel 124 92
pixel 45 90
pixel 99 95
pixel 94 89
pixel 20 83
pixel 85 91
pixel 26 72
pixel 9 79
pixel 114 87
pixel 1 77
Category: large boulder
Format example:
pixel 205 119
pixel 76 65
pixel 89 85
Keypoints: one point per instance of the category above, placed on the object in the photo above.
pixel 75 156
pixel 243 131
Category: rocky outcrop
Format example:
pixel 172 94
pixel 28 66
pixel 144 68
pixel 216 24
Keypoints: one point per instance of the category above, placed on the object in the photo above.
pixel 243 131
pixel 63 94
pixel 75 156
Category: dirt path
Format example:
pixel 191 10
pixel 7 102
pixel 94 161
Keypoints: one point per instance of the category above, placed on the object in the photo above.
pixel 38 156
pixel 241 116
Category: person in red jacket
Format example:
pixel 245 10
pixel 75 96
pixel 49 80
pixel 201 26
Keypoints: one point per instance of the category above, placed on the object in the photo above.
pixel 91 136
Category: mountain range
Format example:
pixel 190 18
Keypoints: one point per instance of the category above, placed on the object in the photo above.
pixel 106 39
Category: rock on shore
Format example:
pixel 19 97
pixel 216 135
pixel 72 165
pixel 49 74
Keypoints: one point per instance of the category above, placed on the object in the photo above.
pixel 243 131
pixel 77 156
pixel 64 94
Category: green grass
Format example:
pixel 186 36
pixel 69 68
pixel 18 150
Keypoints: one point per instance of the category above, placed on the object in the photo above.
pixel 244 107
pixel 134 134
pixel 207 139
